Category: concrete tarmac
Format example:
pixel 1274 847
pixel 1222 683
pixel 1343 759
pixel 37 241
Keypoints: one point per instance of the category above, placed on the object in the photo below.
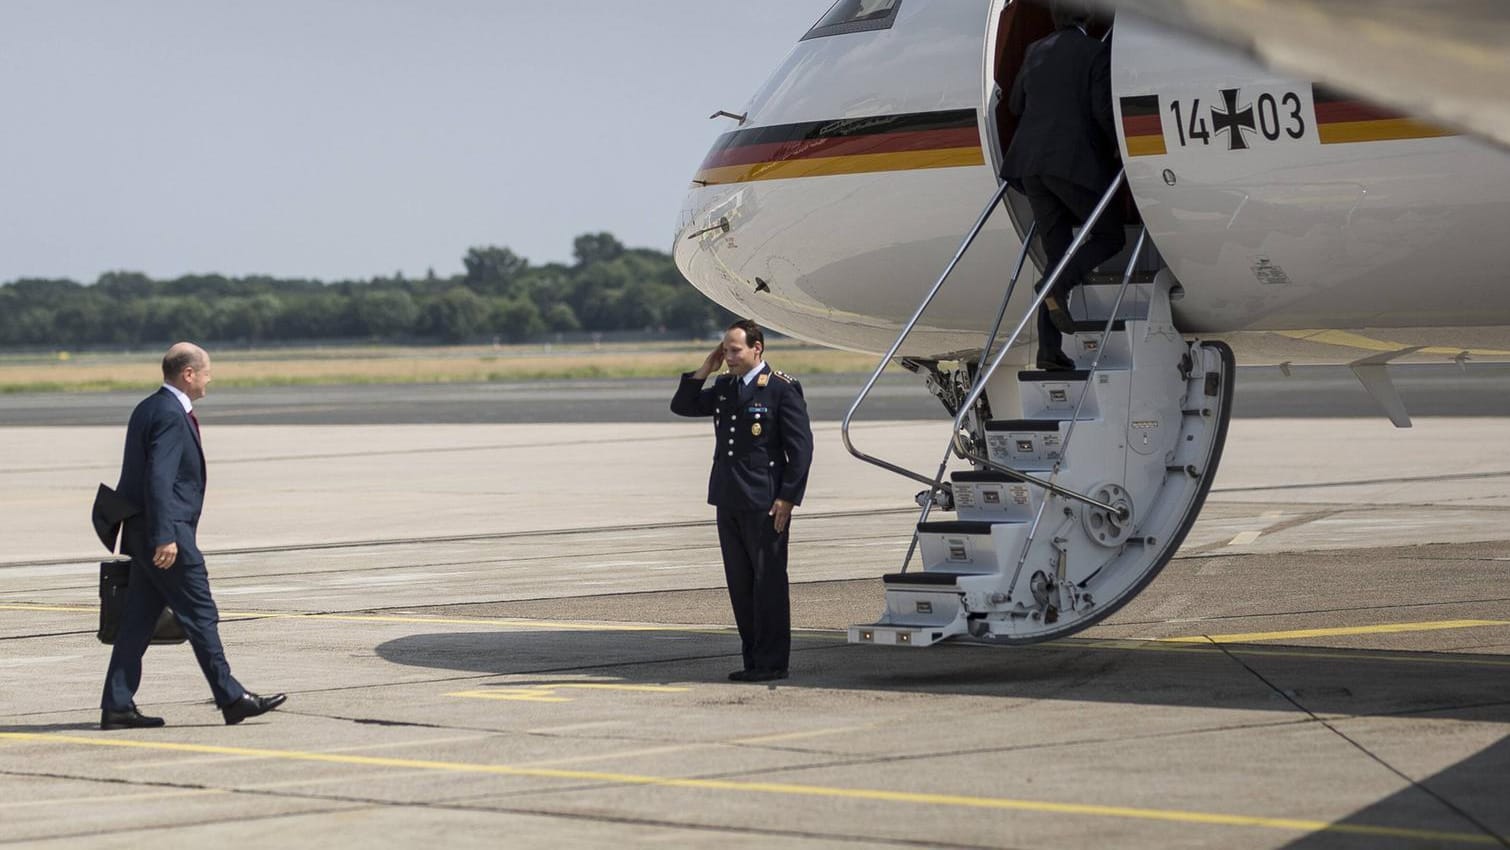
pixel 517 635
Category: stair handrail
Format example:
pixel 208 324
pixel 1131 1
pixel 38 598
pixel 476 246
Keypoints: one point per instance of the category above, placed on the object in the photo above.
pixel 907 328
pixel 1069 433
pixel 979 385
pixel 1106 333
pixel 1001 316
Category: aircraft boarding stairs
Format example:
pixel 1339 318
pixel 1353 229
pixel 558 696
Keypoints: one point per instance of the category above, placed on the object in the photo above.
pixel 1081 484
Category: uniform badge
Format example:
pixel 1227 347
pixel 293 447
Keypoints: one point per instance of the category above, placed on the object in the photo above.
pixel 756 430
pixel 765 378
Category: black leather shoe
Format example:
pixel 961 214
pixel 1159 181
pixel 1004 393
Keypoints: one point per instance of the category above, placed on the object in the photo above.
pixel 759 675
pixel 1058 315
pixel 250 705
pixel 129 719
pixel 740 675
pixel 1054 361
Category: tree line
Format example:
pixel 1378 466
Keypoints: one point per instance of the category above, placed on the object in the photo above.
pixel 501 295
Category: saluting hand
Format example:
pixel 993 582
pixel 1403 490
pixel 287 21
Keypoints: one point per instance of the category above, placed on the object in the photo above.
pixel 712 363
pixel 165 556
pixel 781 512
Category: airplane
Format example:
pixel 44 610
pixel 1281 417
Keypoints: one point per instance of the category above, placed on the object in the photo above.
pixel 864 172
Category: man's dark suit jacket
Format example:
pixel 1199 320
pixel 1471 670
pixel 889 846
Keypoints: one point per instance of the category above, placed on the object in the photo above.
pixel 764 442
pixel 1063 94
pixel 164 472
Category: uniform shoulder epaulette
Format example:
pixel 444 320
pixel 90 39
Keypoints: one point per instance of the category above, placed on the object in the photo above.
pixel 784 376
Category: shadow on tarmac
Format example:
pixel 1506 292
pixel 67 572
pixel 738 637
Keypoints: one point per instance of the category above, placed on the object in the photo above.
pixel 1350 682
pixel 1474 789
pixel 1292 680
pixel 42 728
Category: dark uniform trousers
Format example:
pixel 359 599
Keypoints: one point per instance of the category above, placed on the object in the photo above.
pixel 186 589
pixel 755 569
pixel 763 451
pixel 1059 206
pixel 1063 155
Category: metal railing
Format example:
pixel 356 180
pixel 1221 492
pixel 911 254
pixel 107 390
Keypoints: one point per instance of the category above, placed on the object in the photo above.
pixel 1069 433
pixel 978 385
pixel 907 327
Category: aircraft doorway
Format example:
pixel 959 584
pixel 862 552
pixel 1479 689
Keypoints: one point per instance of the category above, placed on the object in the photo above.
pixel 1019 24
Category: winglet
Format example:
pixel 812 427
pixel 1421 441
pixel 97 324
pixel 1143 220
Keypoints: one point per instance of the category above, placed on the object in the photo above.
pixel 1373 372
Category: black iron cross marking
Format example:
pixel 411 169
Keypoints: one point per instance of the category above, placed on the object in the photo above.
pixel 1232 122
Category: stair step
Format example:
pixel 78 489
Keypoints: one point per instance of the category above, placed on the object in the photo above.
pixel 1066 375
pixel 1031 445
pixel 934 578
pixel 1096 327
pixel 1024 424
pixel 983 476
pixel 955 526
pixel 902 634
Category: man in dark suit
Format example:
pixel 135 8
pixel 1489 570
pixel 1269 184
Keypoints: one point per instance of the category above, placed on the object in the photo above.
pixel 1063 156
pixel 163 473
pixel 763 446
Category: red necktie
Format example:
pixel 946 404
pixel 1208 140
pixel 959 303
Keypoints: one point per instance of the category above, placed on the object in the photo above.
pixel 195 420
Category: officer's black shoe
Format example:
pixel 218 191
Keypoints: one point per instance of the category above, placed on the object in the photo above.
pixel 757 675
pixel 1054 361
pixel 250 705
pixel 1058 315
pixel 129 719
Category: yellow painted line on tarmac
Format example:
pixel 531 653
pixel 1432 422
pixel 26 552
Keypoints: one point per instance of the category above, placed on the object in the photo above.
pixel 547 693
pixel 1356 656
pixel 95 609
pixel 1339 631
pixel 1245 538
pixel 361 748
pixel 69 609
pixel 784 789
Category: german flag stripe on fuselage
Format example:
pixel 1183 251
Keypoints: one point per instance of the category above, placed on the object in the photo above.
pixel 1142 126
pixel 1341 120
pixel 845 146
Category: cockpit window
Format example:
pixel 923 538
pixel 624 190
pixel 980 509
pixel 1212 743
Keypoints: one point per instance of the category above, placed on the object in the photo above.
pixel 848 16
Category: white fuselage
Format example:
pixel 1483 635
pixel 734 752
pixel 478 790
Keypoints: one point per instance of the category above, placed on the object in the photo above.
pixel 867 156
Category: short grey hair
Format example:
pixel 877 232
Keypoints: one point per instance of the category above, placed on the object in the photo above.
pixel 181 357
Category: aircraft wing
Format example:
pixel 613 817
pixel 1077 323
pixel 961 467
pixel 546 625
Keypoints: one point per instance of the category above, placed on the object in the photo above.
pixel 1444 61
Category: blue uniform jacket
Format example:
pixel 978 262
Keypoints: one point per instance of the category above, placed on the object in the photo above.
pixel 164 472
pixel 763 442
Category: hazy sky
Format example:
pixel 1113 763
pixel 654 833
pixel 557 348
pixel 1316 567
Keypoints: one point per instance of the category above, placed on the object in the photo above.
pixel 348 138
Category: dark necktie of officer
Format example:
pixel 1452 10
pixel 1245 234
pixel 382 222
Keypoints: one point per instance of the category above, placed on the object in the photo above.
pixel 195 419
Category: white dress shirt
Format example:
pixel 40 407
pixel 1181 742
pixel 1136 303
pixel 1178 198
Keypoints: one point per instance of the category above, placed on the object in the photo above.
pixel 183 398
pixel 751 375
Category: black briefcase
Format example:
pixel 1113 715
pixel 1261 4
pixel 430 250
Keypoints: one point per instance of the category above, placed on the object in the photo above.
pixel 115 576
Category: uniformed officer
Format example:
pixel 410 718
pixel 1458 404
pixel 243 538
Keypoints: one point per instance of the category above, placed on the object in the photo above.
pixel 762 451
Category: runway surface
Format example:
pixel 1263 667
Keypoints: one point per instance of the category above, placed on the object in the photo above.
pixel 1310 391
pixel 517 635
